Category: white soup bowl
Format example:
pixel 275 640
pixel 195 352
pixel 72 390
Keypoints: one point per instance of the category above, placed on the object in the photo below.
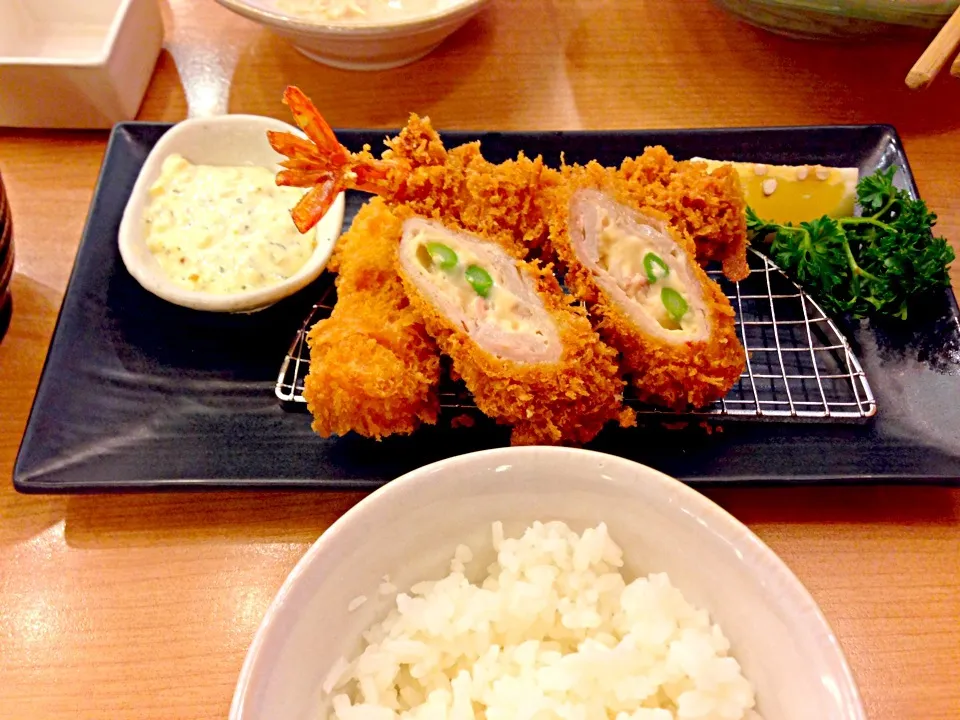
pixel 367 45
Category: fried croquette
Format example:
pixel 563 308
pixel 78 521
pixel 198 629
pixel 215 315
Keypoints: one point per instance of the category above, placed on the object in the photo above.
pixel 522 207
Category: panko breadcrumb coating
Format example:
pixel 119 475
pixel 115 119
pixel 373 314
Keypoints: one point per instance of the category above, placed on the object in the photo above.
pixel 460 188
pixel 709 207
pixel 673 375
pixel 373 368
pixel 516 204
pixel 463 190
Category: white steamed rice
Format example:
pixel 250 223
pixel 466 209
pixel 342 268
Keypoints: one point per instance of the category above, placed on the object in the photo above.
pixel 552 631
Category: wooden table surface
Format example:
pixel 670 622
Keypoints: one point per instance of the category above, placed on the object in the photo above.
pixel 142 606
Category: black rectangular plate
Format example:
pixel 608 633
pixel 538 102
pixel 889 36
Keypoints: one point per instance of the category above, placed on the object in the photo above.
pixel 137 393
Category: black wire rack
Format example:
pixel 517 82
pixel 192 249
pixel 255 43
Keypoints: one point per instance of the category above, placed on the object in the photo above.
pixel 799 365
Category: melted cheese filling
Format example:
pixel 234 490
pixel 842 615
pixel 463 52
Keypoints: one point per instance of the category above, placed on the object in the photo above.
pixel 502 308
pixel 621 255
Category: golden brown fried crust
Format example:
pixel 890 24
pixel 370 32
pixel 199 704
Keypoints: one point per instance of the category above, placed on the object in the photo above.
pixel 513 202
pixel 673 375
pixel 460 188
pixel 373 368
pixel 563 402
pixel 710 208
pixel 417 143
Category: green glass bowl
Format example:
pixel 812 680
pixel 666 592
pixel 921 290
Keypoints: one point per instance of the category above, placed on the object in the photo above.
pixel 841 18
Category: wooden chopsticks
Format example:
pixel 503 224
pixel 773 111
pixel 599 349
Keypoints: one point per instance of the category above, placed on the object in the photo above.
pixel 936 55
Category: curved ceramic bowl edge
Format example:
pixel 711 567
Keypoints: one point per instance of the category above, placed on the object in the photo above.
pixel 219 140
pixel 782 639
pixel 362 46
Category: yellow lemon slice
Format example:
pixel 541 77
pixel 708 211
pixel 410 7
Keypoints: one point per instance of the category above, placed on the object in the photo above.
pixel 787 193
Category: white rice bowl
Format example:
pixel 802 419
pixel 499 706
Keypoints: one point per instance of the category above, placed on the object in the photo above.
pixel 551 630
pixel 579 634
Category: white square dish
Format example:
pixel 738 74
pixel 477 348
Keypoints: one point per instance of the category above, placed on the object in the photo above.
pixel 66 64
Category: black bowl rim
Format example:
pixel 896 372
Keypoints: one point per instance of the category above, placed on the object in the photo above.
pixel 6 231
pixel 6 244
pixel 6 275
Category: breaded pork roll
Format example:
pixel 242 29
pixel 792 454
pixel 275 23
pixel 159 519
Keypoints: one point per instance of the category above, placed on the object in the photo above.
pixel 529 358
pixel 649 297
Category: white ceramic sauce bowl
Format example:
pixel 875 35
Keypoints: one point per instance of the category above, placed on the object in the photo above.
pixel 361 45
pixel 410 528
pixel 70 64
pixel 221 140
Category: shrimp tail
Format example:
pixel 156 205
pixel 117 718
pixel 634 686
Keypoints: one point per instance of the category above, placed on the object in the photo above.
pixel 321 163
pixel 314 205
pixel 309 119
pixel 318 162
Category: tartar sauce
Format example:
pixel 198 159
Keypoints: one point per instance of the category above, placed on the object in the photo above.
pixel 224 229
pixel 361 10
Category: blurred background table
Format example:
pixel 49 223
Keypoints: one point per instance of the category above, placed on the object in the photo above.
pixel 142 606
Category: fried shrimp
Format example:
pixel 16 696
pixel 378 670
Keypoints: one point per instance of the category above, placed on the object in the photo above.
pixel 374 370
pixel 649 297
pixel 461 188
pixel 458 187
pixel 530 359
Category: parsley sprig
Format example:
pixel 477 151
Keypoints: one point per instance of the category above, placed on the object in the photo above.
pixel 877 264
